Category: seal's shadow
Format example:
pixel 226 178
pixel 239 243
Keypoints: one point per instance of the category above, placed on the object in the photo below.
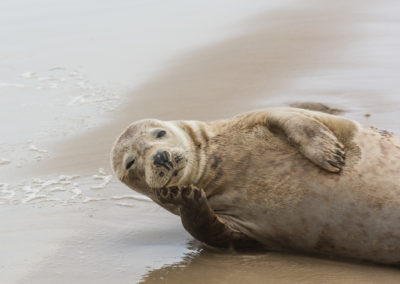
pixel 206 265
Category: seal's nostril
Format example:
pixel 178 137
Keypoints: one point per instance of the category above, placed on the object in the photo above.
pixel 162 159
pixel 165 156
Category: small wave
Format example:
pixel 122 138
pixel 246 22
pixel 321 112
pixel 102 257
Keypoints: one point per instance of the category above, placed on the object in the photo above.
pixel 101 176
pixel 134 197
pixel 31 193
pixel 57 188
pixel 5 192
pixel 92 199
pixel 28 75
pixel 76 191
pixel 4 161
pixel 78 100
pixel 67 178
pixel 125 204
pixel 56 68
pixel 33 197
pixel 4 84
pixel 36 149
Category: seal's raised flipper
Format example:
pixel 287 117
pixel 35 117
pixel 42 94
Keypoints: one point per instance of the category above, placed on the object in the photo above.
pixel 200 220
pixel 306 133
pixel 312 138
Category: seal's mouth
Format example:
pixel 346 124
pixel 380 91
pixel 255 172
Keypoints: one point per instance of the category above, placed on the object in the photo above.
pixel 165 168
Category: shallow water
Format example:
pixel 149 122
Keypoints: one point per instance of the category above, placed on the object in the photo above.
pixel 64 99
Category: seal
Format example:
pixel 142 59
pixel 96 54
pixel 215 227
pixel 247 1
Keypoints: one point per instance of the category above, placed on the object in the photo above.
pixel 282 179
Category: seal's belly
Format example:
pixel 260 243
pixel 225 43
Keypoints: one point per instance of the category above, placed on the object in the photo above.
pixel 286 202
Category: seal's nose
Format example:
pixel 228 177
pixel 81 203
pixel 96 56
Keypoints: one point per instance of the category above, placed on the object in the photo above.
pixel 162 159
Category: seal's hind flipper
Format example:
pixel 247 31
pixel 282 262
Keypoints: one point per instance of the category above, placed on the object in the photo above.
pixel 317 107
pixel 200 220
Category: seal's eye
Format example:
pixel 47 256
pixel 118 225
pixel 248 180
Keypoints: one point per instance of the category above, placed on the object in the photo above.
pixel 129 164
pixel 161 133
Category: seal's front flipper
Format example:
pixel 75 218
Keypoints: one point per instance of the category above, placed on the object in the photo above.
pixel 200 220
pixel 311 137
pixel 311 133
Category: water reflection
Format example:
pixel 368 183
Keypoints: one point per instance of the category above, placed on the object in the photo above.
pixel 205 265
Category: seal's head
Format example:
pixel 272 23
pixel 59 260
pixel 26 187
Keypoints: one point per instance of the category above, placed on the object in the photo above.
pixel 151 154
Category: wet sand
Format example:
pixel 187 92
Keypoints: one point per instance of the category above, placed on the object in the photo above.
pixel 341 53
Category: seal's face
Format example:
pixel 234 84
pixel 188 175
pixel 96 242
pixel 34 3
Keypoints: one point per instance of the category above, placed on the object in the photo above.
pixel 150 154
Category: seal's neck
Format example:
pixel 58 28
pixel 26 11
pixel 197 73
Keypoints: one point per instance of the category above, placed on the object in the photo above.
pixel 198 137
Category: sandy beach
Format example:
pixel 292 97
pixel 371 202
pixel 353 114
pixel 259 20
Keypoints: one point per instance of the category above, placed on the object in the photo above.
pixel 73 77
